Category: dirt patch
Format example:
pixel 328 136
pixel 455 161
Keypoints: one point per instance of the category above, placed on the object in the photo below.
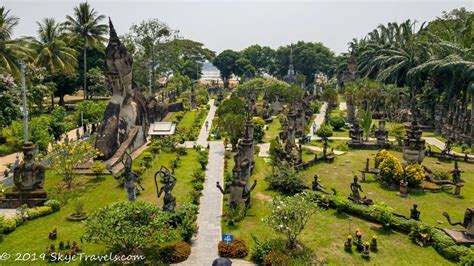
pixel 261 196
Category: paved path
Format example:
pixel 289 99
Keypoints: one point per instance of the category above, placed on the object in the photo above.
pixel 204 133
pixel 314 148
pixel 204 247
pixel 264 150
pixel 441 145
pixel 342 106
pixel 319 119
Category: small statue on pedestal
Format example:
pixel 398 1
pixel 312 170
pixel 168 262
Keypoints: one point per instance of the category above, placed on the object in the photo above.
pixel 316 185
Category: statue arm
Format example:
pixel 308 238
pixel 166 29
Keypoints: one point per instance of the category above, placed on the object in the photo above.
pixel 253 186
pixel 219 187
pixel 161 192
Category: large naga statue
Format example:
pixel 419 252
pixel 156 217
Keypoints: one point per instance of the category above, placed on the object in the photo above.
pixel 125 122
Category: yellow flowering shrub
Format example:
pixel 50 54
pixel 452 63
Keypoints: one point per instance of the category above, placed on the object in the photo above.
pixel 380 156
pixel 415 174
pixel 391 170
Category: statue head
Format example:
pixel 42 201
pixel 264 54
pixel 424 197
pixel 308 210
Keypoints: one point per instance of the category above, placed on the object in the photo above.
pixel 415 206
pixel 355 179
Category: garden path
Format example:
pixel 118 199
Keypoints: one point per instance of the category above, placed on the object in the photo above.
pixel 319 119
pixel 204 246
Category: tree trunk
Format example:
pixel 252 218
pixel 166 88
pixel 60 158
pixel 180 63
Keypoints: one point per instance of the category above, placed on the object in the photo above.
pixel 61 100
pixel 84 54
pixel 52 100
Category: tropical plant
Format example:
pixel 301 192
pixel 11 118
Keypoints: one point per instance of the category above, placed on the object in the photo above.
pixel 366 123
pixel 286 179
pixel 11 50
pixel 289 216
pixel 52 51
pixel 85 27
pixel 125 227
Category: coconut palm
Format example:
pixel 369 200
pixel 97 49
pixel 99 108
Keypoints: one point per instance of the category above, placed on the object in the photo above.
pixel 85 26
pixel 11 50
pixel 52 52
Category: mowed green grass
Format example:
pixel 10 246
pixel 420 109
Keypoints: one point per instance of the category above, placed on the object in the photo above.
pixel 32 236
pixel 273 130
pixel 326 231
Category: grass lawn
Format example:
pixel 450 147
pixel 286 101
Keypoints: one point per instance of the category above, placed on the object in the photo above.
pixel 273 130
pixel 32 236
pixel 326 231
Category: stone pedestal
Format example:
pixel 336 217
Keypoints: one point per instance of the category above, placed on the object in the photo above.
pixel 460 236
pixel 16 199
pixel 403 190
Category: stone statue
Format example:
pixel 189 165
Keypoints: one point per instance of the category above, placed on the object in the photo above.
pixel 414 213
pixel 169 181
pixel 29 174
pixel 125 121
pixel 465 236
pixel 130 177
pixel 239 194
pixel 355 188
pixel 316 185
pixel 355 133
pixel 456 173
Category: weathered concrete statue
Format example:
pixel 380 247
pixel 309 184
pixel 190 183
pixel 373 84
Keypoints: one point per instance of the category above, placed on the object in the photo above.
pixel 169 181
pixel 29 174
pixel 463 236
pixel 239 194
pixel 316 185
pixel 129 177
pixel 415 213
pixel 125 122
pixel 355 188
pixel 28 178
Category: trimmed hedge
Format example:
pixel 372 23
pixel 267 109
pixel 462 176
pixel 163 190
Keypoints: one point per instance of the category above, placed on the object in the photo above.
pixel 10 224
pixel 441 242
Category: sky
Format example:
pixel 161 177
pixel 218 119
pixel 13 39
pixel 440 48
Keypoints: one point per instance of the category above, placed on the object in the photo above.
pixel 235 25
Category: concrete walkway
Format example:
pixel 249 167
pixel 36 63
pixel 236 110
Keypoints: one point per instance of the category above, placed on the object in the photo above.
pixel 319 149
pixel 204 247
pixel 319 119
pixel 342 106
pixel 204 133
pixel 441 145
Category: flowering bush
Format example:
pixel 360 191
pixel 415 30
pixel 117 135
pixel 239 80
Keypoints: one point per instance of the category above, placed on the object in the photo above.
pixel 415 174
pixel 289 216
pixel 391 170
pixel 176 252
pixel 380 156
pixel 236 249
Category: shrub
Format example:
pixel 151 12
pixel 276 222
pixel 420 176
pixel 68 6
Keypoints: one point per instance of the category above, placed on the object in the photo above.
pixel 289 216
pixel 260 249
pixel 203 159
pixel 127 226
pixel 54 204
pixel 391 170
pixel 175 252
pixel 44 210
pixel 258 132
pixel 277 258
pixel 324 131
pixel 33 213
pixel 380 156
pixel 415 174
pixel 185 217
pixel 236 249
pixel 382 213
pixel 98 168
pixel 337 122
pixel 285 179
pixel 195 197
pixel 181 151
pixel 9 225
pixel 315 106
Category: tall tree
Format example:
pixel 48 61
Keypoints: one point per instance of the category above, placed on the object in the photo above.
pixel 11 50
pixel 52 52
pixel 85 25
pixel 225 62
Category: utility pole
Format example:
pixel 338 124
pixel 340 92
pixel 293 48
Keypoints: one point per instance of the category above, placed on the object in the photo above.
pixel 25 111
pixel 149 76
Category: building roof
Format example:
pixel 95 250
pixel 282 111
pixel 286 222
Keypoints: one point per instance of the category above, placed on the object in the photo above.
pixel 162 129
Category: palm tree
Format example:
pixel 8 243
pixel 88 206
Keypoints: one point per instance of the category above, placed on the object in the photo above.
pixel 52 52
pixel 11 50
pixel 85 26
